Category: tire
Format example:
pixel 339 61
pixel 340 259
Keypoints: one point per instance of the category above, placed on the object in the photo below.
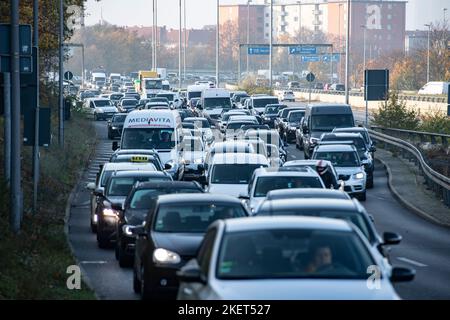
pixel 116 251
pixel 103 242
pixel 125 261
pixel 145 292
pixel 95 117
pixel 362 196
pixel 93 227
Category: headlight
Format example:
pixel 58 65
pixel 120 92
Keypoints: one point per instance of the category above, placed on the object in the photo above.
pixel 114 128
pixel 198 161
pixel 161 255
pixel 359 175
pixel 109 213
pixel 127 230
pixel 292 128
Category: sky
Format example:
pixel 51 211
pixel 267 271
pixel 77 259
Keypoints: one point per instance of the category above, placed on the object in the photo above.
pixel 203 12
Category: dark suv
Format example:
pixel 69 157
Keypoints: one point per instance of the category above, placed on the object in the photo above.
pixel 115 125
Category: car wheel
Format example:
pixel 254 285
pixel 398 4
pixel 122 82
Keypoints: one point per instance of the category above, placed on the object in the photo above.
pixel 125 261
pixel 93 227
pixel 362 196
pixel 95 117
pixel 103 242
pixel 116 251
pixel 145 290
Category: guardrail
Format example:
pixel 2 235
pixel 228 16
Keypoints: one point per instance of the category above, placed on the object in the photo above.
pixel 437 182
pixel 411 135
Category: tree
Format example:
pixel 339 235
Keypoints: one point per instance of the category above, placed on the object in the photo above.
pixel 393 113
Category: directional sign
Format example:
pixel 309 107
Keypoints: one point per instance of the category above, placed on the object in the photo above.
pixel 258 50
pixel 311 58
pixel 25 64
pixel 303 50
pixel 68 75
pixel 24 39
pixel 335 58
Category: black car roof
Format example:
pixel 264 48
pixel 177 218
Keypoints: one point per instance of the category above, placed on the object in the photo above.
pixel 197 198
pixel 169 184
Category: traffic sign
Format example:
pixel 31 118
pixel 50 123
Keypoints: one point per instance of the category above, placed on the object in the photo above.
pixel 303 50
pixel 24 39
pixel 68 75
pixel 311 58
pixel 310 77
pixel 25 64
pixel 258 50
pixel 44 127
pixel 335 58
pixel 376 85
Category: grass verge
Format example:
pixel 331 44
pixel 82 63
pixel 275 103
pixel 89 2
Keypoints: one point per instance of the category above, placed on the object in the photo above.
pixel 33 263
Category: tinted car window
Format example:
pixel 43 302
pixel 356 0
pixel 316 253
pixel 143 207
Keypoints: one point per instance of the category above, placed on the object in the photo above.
pixel 233 173
pixel 339 159
pixel 266 184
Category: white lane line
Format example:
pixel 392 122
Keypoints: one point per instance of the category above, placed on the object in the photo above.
pixel 415 263
pixel 294 156
pixel 93 262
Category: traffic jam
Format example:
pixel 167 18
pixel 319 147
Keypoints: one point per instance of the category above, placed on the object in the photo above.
pixel 201 200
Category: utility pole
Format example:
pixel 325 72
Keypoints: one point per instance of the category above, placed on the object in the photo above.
pixel 428 52
pixel 36 114
pixel 271 44
pixel 179 50
pixel 16 187
pixel 156 34
pixel 61 73
pixel 153 35
pixel 364 50
pixel 340 45
pixel 347 53
pixel 185 44
pixel 248 34
pixel 217 46
pixel 7 128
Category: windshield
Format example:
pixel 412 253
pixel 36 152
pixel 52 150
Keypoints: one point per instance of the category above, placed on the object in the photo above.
pixel 168 96
pixel 199 123
pixel 192 145
pixel 339 159
pixel 120 118
pixel 330 121
pixel 352 216
pixel 144 198
pixel 153 84
pixel 296 116
pixel 357 142
pixel 238 125
pixel 215 103
pixel 148 138
pixel 116 96
pixel 233 173
pixel 194 94
pixel 262 103
pixel 293 253
pixel 121 186
pixel 102 103
pixel 195 217
pixel 266 184
pixel 159 99
pixel 272 110
pixel 130 102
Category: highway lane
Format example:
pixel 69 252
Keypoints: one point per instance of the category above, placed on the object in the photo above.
pixel 424 246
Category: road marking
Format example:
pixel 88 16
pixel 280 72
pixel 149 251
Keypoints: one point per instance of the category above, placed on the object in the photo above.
pixel 93 262
pixel 415 263
pixel 293 156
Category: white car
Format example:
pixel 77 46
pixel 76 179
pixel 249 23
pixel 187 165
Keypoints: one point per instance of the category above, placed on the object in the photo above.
pixel 267 179
pixel 287 258
pixel 229 173
pixel 287 96
pixel 230 146
pixel 100 108
pixel 204 126
pixel 193 155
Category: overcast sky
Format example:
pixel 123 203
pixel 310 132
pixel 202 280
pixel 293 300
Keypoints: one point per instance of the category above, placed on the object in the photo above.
pixel 203 12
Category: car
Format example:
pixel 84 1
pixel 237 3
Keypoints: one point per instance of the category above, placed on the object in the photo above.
pixel 115 125
pixel 229 146
pixel 115 97
pixel 257 104
pixel 370 144
pixel 140 200
pixel 347 163
pixel 226 116
pixel 100 108
pixel 259 145
pixel 278 259
pixel 237 97
pixel 291 124
pixel 172 97
pixel 337 87
pixel 97 188
pixel 233 128
pixel 321 118
pixel 313 165
pixel 116 190
pixel 345 209
pixel 318 86
pixel 193 153
pixel 358 141
pixel 157 105
pixel 127 104
pixel 302 193
pixel 287 95
pixel 132 94
pixel 279 122
pixel 230 173
pixel 171 236
pixel 137 155
pixel 299 135
pixel 160 99
pixel 264 180
pixel 271 112
pixel 204 125
pixel 268 136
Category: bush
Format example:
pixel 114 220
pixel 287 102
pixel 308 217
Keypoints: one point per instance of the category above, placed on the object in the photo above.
pixel 435 121
pixel 393 113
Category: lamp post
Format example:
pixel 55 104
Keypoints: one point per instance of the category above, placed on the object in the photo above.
pixel 340 44
pixel 185 44
pixel 179 49
pixel 248 30
pixel 364 50
pixel 428 52
pixel 217 46
pixel 271 44
pixel 347 53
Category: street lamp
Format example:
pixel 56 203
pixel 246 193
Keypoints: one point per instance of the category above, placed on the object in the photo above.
pixel 217 46
pixel 179 50
pixel 248 29
pixel 185 43
pixel 340 44
pixel 364 55
pixel 445 13
pixel 428 52
pixel 271 44
pixel 347 53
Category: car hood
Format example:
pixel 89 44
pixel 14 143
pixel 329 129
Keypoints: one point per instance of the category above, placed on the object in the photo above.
pixel 317 134
pixel 229 189
pixel 185 244
pixel 303 289
pixel 107 109
pixel 191 156
pixel 117 200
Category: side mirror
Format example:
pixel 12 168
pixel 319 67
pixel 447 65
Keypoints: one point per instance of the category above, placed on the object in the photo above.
pixel 201 167
pixel 98 192
pixel 244 196
pixel 190 274
pixel 167 166
pixel 117 206
pixel 90 186
pixel 391 238
pixel 115 145
pixel 402 274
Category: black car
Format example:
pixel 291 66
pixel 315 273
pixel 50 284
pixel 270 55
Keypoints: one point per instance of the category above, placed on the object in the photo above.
pixel 116 190
pixel 115 125
pixel 293 122
pixel 139 202
pixel 282 119
pixel 172 235
pixel 271 113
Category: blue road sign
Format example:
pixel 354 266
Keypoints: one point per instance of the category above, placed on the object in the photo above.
pixel 311 58
pixel 336 58
pixel 258 50
pixel 303 50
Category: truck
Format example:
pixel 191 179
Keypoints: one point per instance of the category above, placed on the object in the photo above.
pixel 114 77
pixel 148 83
pixel 162 73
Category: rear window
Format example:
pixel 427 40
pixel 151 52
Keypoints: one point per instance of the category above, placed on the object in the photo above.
pixel 266 184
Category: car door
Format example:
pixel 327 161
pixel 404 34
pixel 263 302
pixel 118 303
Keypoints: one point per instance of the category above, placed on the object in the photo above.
pixel 200 291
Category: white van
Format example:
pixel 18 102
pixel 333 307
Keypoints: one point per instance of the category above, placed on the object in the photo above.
pixel 195 91
pixel 155 129
pixel 435 87
pixel 215 101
